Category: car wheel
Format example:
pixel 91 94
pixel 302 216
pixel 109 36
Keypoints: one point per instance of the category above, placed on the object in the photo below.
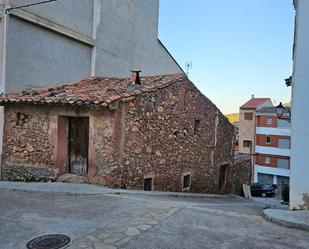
pixel 263 195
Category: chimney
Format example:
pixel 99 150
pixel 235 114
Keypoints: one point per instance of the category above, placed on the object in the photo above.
pixel 252 97
pixel 135 79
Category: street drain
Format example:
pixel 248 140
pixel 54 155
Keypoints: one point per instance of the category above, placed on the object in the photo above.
pixel 51 241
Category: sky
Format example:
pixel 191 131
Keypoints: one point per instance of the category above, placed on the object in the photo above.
pixel 237 47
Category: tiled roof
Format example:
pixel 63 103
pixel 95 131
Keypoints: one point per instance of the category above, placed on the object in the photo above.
pixel 95 92
pixel 254 103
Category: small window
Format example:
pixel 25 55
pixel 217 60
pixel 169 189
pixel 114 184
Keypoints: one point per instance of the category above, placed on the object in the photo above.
pixel 186 181
pixel 248 116
pixel 21 118
pixel 197 126
pixel 247 143
pixel 148 184
pixel 269 121
pixel 268 139
pixel 267 160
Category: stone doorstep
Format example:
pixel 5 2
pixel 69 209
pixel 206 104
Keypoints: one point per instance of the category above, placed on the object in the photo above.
pixel 284 222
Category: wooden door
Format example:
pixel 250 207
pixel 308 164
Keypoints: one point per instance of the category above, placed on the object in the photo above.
pixel 78 145
pixel 148 184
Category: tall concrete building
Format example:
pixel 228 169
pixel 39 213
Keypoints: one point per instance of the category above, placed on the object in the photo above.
pixel 299 180
pixel 272 148
pixel 66 40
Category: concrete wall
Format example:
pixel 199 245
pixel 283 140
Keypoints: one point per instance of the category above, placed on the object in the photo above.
pixel 299 180
pixel 123 36
pixel 127 39
pixel 50 57
pixel 74 14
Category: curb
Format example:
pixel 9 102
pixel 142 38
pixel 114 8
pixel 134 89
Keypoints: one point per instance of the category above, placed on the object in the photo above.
pixel 121 192
pixel 285 223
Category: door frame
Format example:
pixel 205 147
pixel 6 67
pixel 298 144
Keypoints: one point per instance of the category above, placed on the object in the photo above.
pixel 69 170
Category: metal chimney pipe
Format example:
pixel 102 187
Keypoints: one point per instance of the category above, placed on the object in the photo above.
pixel 135 78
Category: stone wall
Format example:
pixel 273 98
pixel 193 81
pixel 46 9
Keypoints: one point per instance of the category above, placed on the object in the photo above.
pixel 164 135
pixel 240 174
pixel 27 151
pixel 173 132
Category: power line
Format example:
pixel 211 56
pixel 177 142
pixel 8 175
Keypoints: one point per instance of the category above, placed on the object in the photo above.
pixel 29 5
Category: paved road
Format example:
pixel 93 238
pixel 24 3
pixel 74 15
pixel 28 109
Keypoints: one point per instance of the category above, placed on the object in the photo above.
pixel 109 221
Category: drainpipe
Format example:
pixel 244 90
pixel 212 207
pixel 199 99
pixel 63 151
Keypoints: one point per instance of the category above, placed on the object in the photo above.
pixel 3 36
pixel 95 24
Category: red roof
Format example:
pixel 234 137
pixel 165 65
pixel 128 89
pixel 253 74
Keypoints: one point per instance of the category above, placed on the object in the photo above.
pixel 254 103
pixel 93 92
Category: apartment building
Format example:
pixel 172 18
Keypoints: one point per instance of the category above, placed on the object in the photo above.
pixel 247 123
pixel 272 147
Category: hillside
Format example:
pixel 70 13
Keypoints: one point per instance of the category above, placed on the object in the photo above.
pixel 233 117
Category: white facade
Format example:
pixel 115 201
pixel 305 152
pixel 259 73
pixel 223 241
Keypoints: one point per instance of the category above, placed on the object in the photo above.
pixel 299 181
pixel 260 169
pixel 272 151
pixel 273 131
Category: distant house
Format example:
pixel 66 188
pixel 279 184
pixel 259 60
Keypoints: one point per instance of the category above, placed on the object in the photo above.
pixel 162 134
pixel 267 139
pixel 247 123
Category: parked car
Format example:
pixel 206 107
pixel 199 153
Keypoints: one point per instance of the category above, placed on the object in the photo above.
pixel 258 189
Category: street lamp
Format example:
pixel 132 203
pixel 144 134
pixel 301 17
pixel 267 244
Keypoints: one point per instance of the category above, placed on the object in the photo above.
pixel 280 110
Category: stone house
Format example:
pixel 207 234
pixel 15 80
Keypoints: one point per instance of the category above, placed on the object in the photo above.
pixel 151 133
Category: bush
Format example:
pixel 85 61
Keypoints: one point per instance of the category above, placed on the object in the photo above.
pixel 285 194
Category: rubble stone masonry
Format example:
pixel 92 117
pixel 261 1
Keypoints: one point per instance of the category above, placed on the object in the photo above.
pixel 163 135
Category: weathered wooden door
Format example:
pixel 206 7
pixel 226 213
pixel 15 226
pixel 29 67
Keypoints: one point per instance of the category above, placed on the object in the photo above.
pixel 78 145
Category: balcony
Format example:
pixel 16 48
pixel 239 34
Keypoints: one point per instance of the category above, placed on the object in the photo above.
pixel 271 170
pixel 273 131
pixel 272 151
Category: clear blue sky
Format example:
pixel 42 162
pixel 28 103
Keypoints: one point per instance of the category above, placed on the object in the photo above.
pixel 237 47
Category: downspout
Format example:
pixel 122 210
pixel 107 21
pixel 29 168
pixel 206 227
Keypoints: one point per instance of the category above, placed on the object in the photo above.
pixel 95 24
pixel 3 38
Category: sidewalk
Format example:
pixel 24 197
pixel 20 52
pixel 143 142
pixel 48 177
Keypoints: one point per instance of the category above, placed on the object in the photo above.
pixel 88 189
pixel 288 218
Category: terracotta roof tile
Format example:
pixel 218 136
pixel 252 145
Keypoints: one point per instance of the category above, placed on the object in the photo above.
pixel 92 92
pixel 254 103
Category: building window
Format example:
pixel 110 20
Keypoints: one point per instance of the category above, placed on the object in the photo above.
pixel 268 139
pixel 284 143
pixel 269 121
pixel 186 182
pixel 248 116
pixel 267 160
pixel 21 118
pixel 247 143
pixel 197 126
pixel 284 163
